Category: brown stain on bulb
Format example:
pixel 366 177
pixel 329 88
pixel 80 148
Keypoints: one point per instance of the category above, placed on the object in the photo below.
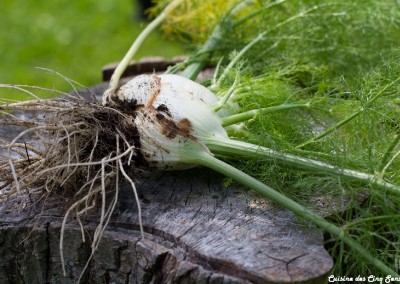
pixel 155 86
pixel 171 129
pixel 185 127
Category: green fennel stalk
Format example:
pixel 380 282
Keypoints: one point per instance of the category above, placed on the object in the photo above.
pixel 238 149
pixel 116 76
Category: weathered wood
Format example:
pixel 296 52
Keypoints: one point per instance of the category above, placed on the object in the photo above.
pixel 146 65
pixel 196 231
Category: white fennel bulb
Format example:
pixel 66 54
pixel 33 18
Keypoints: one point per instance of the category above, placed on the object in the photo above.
pixel 143 87
pixel 173 116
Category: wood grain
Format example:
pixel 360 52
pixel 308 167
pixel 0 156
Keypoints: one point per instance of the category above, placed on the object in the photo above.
pixel 197 231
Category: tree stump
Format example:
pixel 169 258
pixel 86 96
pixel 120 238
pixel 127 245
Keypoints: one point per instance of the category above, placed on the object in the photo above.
pixel 196 231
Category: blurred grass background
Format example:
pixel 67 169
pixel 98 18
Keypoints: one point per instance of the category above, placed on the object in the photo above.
pixel 74 38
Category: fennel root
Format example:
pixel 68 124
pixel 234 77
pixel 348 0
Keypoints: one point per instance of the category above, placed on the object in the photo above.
pixel 78 149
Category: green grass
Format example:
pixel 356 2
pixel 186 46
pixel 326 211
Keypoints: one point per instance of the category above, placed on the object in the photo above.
pixel 75 38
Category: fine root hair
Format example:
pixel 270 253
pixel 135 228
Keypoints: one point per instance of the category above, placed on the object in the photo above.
pixel 71 146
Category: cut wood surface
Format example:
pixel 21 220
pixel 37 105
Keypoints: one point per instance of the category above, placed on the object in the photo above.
pixel 196 231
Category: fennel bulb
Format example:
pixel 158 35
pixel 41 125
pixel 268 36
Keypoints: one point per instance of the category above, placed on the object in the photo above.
pixel 171 114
